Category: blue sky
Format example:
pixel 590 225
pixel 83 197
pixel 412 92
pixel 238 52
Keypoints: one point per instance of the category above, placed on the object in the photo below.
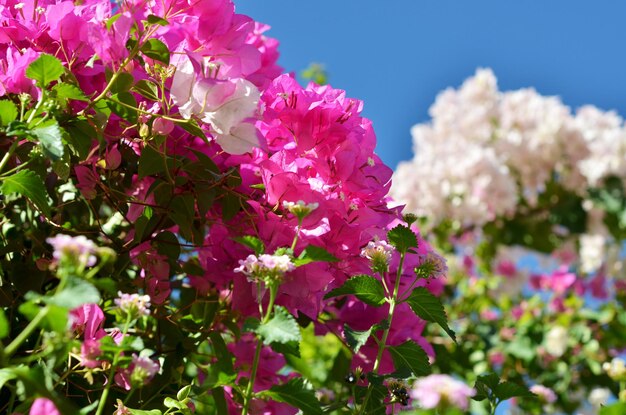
pixel 396 55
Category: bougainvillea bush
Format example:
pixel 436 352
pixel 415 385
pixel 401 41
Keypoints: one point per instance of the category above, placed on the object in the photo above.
pixel 185 229
pixel 528 200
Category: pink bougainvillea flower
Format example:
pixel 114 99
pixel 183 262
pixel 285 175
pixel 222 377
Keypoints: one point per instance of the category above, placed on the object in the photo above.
pixel 43 406
pixel 88 320
pixel 139 373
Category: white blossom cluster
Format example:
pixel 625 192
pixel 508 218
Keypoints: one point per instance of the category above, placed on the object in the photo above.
pixel 484 150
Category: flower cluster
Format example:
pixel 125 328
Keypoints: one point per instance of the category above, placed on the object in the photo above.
pixel 74 249
pixel 441 392
pixel 167 131
pixel 133 305
pixel 485 150
pixel 266 267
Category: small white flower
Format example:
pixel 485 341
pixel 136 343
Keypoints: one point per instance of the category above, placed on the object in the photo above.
pixel 300 209
pixel 134 304
pixel 599 397
pixel 556 341
pixel 616 369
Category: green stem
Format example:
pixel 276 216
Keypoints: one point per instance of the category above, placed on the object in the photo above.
pixel 257 354
pixel 15 169
pixel 107 388
pixel 9 153
pixel 21 338
pixel 295 238
pixel 383 340
pixel 255 364
pixel 32 115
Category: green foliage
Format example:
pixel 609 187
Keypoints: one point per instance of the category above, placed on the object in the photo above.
pixel 491 388
pixel 364 287
pixel 410 356
pixel 147 89
pixel 4 326
pixel 28 184
pixel 281 328
pixel 252 242
pixel 8 112
pixel 152 19
pixel 68 91
pixel 611 198
pixel 428 307
pixel 315 72
pixel 296 394
pixel 314 253
pixel 124 105
pixel 156 50
pixel 356 339
pixel 45 70
pixel 51 140
pixel 618 408
pixel 402 238
pixel 75 293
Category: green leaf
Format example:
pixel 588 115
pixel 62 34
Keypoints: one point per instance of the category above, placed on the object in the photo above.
pixel 167 244
pixel 402 238
pixel 152 19
pixel 45 69
pixel 192 127
pixel 109 22
pixel 76 293
pixel 366 288
pixel 231 205
pixel 147 89
pixel 295 394
pixel 428 307
pixel 68 91
pixel 411 356
pixel 142 412
pixel 618 408
pixel 80 135
pixel 508 390
pixel 50 138
pixel 290 348
pixel 282 328
pixel 55 317
pixel 224 357
pixel 173 403
pixel 156 50
pixel 62 166
pixel 489 387
pixel 4 326
pixel 484 386
pixel 124 105
pixel 28 184
pixel 375 404
pixel 356 339
pixel 123 83
pixel 8 112
pixel 314 253
pixel 220 400
pixel 6 375
pixel 183 212
pixel 251 242
pixel 150 162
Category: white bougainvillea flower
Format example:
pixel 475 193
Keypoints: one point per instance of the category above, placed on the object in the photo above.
pixel 223 104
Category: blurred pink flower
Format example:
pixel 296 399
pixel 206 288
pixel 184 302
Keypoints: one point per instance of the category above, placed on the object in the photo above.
pixel 43 406
pixel 436 391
